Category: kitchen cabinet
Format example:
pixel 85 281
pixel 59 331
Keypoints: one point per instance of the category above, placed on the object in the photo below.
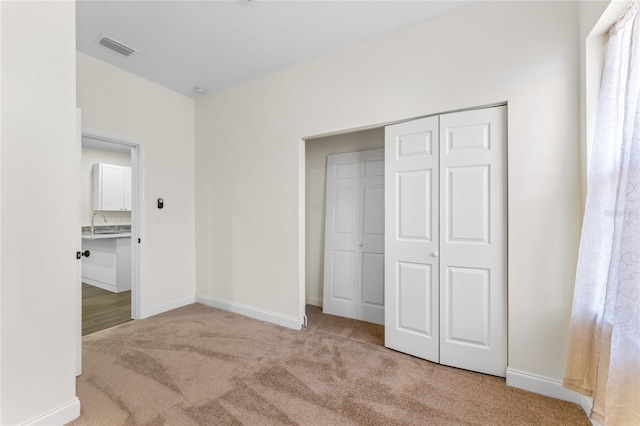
pixel 111 187
pixel 108 265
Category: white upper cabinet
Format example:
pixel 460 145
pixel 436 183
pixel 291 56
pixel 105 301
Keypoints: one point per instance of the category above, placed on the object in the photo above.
pixel 111 187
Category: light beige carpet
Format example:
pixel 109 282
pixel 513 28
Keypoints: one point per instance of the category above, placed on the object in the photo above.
pixel 201 366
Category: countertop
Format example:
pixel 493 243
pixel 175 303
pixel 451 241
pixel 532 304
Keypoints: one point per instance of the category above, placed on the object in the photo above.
pixel 106 236
pixel 109 231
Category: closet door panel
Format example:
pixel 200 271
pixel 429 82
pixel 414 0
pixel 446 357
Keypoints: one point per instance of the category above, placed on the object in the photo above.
pixel 373 276
pixel 341 268
pixel 411 238
pixel 467 292
pixel 371 244
pixel 473 289
pixel 342 279
pixel 354 236
pixel 415 205
pixel 415 289
pixel 468 196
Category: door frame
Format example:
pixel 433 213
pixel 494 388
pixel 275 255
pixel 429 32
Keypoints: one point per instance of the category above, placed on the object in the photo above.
pixel 137 196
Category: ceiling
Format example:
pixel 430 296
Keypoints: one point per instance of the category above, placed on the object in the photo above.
pixel 215 44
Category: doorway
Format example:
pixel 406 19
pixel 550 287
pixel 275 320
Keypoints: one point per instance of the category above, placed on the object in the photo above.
pixel 110 235
pixel 315 152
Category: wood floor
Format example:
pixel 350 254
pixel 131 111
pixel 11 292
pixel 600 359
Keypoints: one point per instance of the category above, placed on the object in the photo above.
pixel 102 309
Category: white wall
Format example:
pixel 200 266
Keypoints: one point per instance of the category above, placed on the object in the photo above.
pixel 248 153
pixel 315 188
pixel 91 156
pixel 40 217
pixel 121 105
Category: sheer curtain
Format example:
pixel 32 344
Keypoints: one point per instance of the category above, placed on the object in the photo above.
pixel 604 350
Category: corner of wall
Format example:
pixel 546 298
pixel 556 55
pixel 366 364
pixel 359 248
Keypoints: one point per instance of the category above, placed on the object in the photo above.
pixel 549 387
pixel 541 385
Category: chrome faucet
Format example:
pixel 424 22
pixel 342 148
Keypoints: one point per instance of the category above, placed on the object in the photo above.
pixel 93 229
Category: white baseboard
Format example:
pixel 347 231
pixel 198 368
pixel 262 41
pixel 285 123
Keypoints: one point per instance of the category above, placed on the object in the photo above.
pixel 313 301
pixel 59 416
pixel 549 387
pixel 251 312
pixel 586 403
pixel 541 385
pixel 175 304
pixel 100 284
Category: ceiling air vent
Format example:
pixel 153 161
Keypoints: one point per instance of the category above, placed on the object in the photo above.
pixel 116 46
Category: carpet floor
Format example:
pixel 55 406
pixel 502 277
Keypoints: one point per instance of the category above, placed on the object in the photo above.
pixel 201 366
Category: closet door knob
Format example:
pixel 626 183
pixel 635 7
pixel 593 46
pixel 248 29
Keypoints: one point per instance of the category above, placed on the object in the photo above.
pixel 434 254
pixel 359 244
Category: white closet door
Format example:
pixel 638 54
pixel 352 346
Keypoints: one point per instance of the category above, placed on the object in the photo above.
pixel 473 304
pixel 354 236
pixel 371 244
pixel 411 238
pixel 446 239
pixel 341 234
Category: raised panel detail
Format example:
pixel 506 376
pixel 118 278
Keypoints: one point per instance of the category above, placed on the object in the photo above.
pixel 373 279
pixel 343 275
pixel 464 138
pixel 374 210
pixel 468 203
pixel 346 170
pixel 414 204
pixel 374 168
pixel 415 144
pixel 344 213
pixel 468 305
pixel 414 297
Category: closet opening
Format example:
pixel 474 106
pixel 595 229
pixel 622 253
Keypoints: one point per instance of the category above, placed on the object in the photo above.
pixel 437 288
pixel 343 313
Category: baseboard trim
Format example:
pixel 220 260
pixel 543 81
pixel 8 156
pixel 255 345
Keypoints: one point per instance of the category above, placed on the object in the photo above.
pixel 313 301
pixel 175 304
pixel 251 312
pixel 100 284
pixel 58 416
pixel 541 385
pixel 586 403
